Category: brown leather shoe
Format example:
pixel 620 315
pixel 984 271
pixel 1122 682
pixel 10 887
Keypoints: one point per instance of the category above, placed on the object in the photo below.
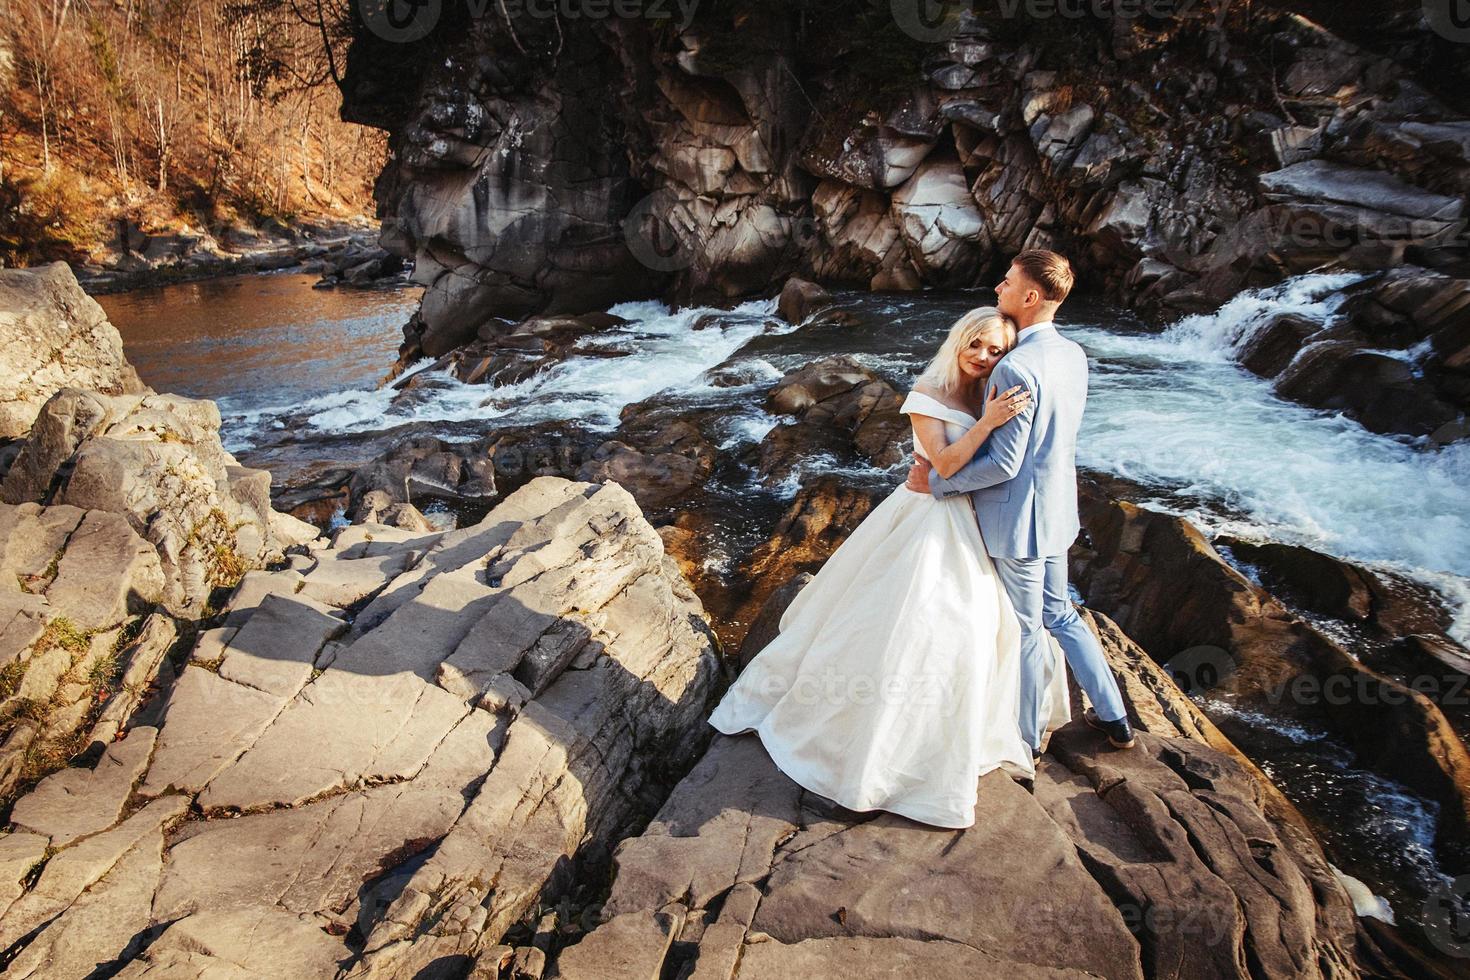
pixel 1120 733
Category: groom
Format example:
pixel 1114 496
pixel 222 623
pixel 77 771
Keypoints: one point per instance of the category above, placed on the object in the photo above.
pixel 1024 485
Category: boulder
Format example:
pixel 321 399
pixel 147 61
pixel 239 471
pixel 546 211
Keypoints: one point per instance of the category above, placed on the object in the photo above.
pixel 53 336
pixel 416 469
pixel 799 299
pixel 842 408
pixel 156 462
pixel 1276 342
pixel 1378 390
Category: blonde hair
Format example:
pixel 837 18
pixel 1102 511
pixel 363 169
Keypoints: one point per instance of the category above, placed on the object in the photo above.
pixel 1051 272
pixel 943 371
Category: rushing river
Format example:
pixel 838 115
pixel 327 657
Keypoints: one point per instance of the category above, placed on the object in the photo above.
pixel 1170 410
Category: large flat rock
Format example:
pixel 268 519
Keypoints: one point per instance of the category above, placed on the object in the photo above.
pixel 328 803
pixel 1175 859
pixel 73 803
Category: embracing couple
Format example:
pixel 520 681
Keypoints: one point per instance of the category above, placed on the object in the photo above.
pixel 932 646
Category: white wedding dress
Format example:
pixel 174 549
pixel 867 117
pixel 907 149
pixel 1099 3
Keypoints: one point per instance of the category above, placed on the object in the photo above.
pixel 894 683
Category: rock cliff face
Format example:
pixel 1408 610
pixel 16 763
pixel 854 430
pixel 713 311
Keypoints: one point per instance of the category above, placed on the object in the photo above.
pixel 549 164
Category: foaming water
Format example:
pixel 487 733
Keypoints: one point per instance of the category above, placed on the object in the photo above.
pixel 1219 335
pixel 1169 410
pixel 659 349
pixel 1175 412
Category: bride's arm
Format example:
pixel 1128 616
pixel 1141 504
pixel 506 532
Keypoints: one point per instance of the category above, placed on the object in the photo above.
pixel 948 458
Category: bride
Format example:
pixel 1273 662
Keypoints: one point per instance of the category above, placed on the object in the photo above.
pixel 895 681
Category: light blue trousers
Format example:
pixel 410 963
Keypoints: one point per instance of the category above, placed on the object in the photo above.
pixel 1038 590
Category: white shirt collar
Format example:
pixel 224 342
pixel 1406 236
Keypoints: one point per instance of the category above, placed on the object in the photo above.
pixel 1025 332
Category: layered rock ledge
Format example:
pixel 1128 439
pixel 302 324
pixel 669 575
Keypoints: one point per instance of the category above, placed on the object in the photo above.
pixel 380 759
pixel 1174 860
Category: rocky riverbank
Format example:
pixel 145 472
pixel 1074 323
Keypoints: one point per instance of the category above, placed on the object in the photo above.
pixel 412 752
pixel 1284 635
pixel 1177 157
pixel 1120 865
pixel 345 253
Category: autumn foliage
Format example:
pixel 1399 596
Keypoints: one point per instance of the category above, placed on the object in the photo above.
pixel 168 112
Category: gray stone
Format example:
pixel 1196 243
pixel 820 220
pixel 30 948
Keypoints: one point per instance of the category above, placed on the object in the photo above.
pixel 257 941
pixel 209 647
pixel 32 538
pixel 940 222
pixel 107 573
pixel 104 926
pixel 342 801
pixel 632 945
pixel 343 582
pixel 209 722
pixel 344 729
pixel 252 590
pixel 20 853
pixel 141 661
pixel 73 803
pixel 53 336
pixel 275 651
pixel 23 618
pixel 79 867
pixel 1358 187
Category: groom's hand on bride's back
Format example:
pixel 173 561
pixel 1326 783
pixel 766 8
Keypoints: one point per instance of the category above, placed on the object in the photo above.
pixel 919 475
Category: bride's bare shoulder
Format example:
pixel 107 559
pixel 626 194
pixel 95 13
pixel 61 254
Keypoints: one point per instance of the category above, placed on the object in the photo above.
pixel 924 388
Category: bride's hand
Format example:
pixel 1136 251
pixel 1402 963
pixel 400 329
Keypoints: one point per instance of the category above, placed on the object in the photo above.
pixel 1004 406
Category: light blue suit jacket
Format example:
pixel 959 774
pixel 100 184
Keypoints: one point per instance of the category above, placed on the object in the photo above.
pixel 1024 479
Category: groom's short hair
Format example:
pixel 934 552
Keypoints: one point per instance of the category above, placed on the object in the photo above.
pixel 1051 272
